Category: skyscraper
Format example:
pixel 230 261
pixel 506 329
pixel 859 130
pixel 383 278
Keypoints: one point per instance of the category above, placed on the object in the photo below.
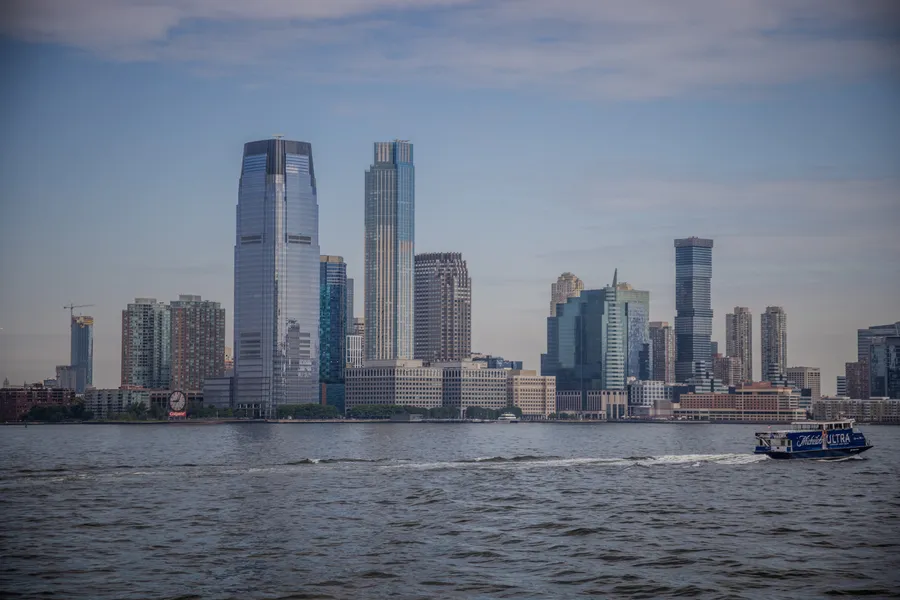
pixel 739 339
pixel 806 378
pixel 349 326
pixel 198 341
pixel 443 323
pixel 693 305
pixel 841 385
pixel 389 252
pixel 332 318
pixel 147 344
pixel 634 306
pixel 82 352
pixel 773 343
pixel 662 343
pixel 884 366
pixel 856 379
pixel 567 286
pixel 276 278
pixel 864 338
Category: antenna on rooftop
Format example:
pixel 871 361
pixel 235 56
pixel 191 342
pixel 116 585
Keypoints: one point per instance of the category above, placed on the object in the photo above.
pixel 278 136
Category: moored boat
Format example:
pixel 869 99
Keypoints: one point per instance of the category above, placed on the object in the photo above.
pixel 813 439
pixel 507 418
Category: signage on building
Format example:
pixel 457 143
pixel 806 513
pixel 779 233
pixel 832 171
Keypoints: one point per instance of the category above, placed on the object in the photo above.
pixel 173 413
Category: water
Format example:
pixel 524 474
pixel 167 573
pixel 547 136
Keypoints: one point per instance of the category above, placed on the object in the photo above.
pixel 443 511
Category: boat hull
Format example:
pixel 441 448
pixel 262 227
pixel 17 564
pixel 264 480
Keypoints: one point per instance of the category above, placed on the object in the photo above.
pixel 828 453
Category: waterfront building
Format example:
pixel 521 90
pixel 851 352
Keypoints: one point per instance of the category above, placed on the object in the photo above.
pixel 841 387
pixel 332 318
pixel 158 400
pixel 662 344
pixel 806 378
pixel 146 344
pixel 15 402
pixel 594 405
pixel 857 379
pixel 443 307
pixel 354 346
pixel 739 339
pixel 693 306
pixel 218 392
pixel 334 394
pixel 567 286
pixel 648 393
pixel 389 252
pixel 497 362
pixel 66 377
pixel 884 366
pixel 728 369
pixel 198 341
pixel 402 382
pixel 276 280
pixel 759 402
pixel 82 352
pixel 773 342
pixel 871 410
pixel 107 403
pixel 468 383
pixel 534 394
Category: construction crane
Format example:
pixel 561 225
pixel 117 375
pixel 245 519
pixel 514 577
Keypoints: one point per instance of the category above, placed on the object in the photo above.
pixel 72 308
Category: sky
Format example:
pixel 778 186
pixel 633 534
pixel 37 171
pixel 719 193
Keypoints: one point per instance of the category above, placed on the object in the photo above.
pixel 570 135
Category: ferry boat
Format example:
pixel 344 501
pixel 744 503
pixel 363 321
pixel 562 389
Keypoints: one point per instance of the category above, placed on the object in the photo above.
pixel 813 439
pixel 507 418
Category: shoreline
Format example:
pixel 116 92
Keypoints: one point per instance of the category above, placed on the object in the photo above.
pixel 388 421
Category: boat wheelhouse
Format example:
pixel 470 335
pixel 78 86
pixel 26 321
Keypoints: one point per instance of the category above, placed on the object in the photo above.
pixel 813 439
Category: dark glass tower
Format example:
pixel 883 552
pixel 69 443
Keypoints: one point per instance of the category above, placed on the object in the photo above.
pixel 693 306
pixel 332 318
pixel 82 352
pixel 276 278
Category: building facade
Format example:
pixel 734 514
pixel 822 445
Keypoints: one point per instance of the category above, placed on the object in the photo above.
pixel 15 402
pixel 739 339
pixel 332 318
pixel 567 286
pixel 693 306
pixel 534 394
pixel 497 362
pixel 857 379
pixel 662 344
pixel 66 377
pixel 872 410
pixel 841 385
pixel 354 347
pixel 218 392
pixel 400 382
pixel 864 338
pixel 107 403
pixel 146 344
pixel 350 310
pixel 884 366
pixel 773 343
pixel 648 393
pixel 728 369
pixel 443 307
pixel 634 306
pixel 276 278
pixel 757 403
pixel 806 378
pixel 468 383
pixel 198 341
pixel 389 252
pixel 82 352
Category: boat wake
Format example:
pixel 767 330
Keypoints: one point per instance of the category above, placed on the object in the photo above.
pixel 532 462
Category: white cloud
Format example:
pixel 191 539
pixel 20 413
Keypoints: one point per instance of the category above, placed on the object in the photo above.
pixel 626 49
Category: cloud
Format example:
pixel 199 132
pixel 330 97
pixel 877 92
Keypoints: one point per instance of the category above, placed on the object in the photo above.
pixel 638 49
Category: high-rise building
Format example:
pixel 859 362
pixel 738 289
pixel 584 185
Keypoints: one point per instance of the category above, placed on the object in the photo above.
pixel 389 252
pixel 727 369
pixel 884 367
pixel 693 306
pixel 841 389
pixel 443 308
pixel 713 348
pixel 359 329
pixel 635 307
pixel 198 341
pixel 354 346
pixel 857 379
pixel 662 344
pixel 350 289
pixel 332 318
pixel 276 278
pixel 773 343
pixel 739 339
pixel 806 378
pixel 146 344
pixel 66 377
pixel 567 286
pixel 864 338
pixel 82 352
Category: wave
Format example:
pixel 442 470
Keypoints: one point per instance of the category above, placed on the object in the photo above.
pixel 531 461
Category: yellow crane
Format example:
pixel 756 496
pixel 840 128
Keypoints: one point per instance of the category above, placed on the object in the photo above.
pixel 72 308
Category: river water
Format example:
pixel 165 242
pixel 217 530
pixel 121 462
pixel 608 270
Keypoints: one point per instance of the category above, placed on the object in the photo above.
pixel 440 511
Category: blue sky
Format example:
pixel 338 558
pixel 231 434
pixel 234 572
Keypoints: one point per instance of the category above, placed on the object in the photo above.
pixel 566 136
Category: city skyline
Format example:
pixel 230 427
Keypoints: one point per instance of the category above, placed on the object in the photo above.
pixel 692 154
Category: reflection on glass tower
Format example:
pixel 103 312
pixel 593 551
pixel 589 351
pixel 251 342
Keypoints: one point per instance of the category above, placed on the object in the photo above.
pixel 693 306
pixel 276 278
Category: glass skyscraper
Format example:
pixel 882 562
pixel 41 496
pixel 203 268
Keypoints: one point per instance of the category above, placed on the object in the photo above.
pixel 276 278
pixel 693 306
pixel 332 318
pixel 82 352
pixel 390 252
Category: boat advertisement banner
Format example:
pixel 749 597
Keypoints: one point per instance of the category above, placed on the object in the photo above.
pixel 812 440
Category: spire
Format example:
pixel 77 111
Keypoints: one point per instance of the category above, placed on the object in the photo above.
pixel 615 277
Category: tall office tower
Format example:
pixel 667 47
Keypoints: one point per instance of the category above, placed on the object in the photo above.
pixel 82 352
pixel 443 324
pixel 198 341
pixel 713 348
pixel 276 279
pixel 841 389
pixel 806 378
pixel 856 375
pixel 635 314
pixel 739 339
pixel 332 318
pixel 147 344
pixel 662 344
pixel 693 306
pixel 567 286
pixel 773 342
pixel 884 366
pixel 864 338
pixel 390 252
pixel 349 326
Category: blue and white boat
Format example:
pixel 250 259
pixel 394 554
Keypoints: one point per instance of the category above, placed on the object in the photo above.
pixel 813 439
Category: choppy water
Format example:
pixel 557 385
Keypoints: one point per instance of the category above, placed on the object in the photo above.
pixel 443 511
